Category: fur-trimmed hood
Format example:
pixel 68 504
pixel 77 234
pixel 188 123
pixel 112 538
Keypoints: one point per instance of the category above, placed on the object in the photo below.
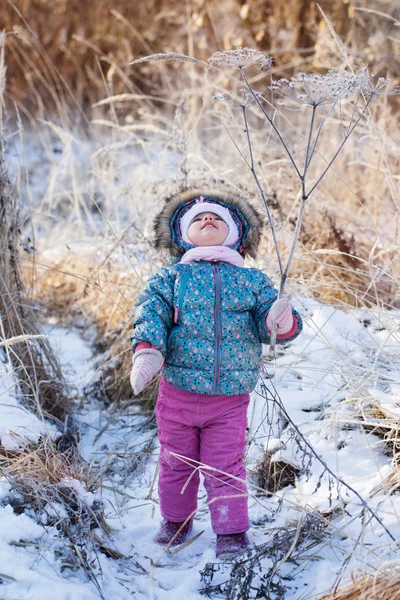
pixel 248 218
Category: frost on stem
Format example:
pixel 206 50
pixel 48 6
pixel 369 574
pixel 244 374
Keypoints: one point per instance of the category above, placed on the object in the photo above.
pixel 320 90
pixel 246 100
pixel 242 58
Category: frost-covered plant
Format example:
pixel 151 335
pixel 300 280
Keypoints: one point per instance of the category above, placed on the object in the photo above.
pixel 318 90
pixel 321 90
pixel 321 94
pixel 242 58
pixel 246 100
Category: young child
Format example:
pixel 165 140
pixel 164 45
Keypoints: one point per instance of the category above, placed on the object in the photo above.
pixel 202 319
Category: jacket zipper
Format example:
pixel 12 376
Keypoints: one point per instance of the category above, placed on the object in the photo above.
pixel 181 295
pixel 217 320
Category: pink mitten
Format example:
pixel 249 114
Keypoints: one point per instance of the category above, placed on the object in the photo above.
pixel 146 364
pixel 280 314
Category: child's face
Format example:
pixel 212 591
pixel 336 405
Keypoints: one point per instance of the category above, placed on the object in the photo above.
pixel 207 229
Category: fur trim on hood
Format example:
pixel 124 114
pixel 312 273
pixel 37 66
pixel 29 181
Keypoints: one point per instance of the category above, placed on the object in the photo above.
pixel 250 220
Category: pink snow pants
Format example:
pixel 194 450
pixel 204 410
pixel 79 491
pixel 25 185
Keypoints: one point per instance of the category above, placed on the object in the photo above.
pixel 210 430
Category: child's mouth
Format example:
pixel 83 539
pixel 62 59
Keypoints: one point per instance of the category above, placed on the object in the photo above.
pixel 209 225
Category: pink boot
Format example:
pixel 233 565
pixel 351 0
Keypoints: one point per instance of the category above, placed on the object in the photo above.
pixel 231 544
pixel 177 531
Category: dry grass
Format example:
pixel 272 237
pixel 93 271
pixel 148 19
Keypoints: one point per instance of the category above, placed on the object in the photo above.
pixel 298 25
pixel 382 419
pixel 86 52
pixel 35 366
pixel 382 585
pixel 386 424
pixel 50 478
pixel 274 475
pixel 82 291
pixel 45 464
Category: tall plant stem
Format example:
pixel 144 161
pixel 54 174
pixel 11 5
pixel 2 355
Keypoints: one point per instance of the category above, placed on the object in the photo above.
pixel 261 190
pixel 271 349
pixel 314 108
pixel 293 246
pixel 314 146
pixel 304 197
pixel 278 133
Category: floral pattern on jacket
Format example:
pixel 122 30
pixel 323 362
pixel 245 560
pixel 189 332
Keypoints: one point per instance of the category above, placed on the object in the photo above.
pixel 208 319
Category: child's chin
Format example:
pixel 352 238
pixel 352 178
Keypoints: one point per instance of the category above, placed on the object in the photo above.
pixel 210 241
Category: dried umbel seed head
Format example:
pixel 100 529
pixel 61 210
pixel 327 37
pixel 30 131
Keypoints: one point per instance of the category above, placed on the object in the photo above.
pixel 382 87
pixel 242 58
pixel 318 90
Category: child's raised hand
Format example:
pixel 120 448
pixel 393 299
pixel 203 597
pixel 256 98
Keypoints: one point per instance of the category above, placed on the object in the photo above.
pixel 146 364
pixel 280 314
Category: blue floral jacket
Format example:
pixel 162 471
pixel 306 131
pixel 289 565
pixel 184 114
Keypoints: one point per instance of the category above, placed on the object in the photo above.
pixel 208 320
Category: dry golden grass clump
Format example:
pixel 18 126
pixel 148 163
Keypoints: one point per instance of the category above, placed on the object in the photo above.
pixel 85 54
pixel 50 478
pixel 382 420
pixel 35 366
pixel 74 284
pixel 298 22
pixel 383 585
pixel 366 28
pixel 86 50
pixel 274 475
pixel 333 264
pixel 88 290
pixel 46 463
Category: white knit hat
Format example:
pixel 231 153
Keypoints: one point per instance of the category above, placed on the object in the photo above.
pixel 202 206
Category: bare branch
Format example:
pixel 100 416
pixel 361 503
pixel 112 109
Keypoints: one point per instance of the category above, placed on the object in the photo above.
pixel 340 148
pixel 271 123
pixel 260 188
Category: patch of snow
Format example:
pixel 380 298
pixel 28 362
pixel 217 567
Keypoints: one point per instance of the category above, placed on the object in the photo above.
pixel 15 419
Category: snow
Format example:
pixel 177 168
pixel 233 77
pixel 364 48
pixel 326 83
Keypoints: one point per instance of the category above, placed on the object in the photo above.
pixel 102 176
pixel 15 419
pixel 334 370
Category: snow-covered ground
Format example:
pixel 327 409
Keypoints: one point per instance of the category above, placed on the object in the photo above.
pixel 338 366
